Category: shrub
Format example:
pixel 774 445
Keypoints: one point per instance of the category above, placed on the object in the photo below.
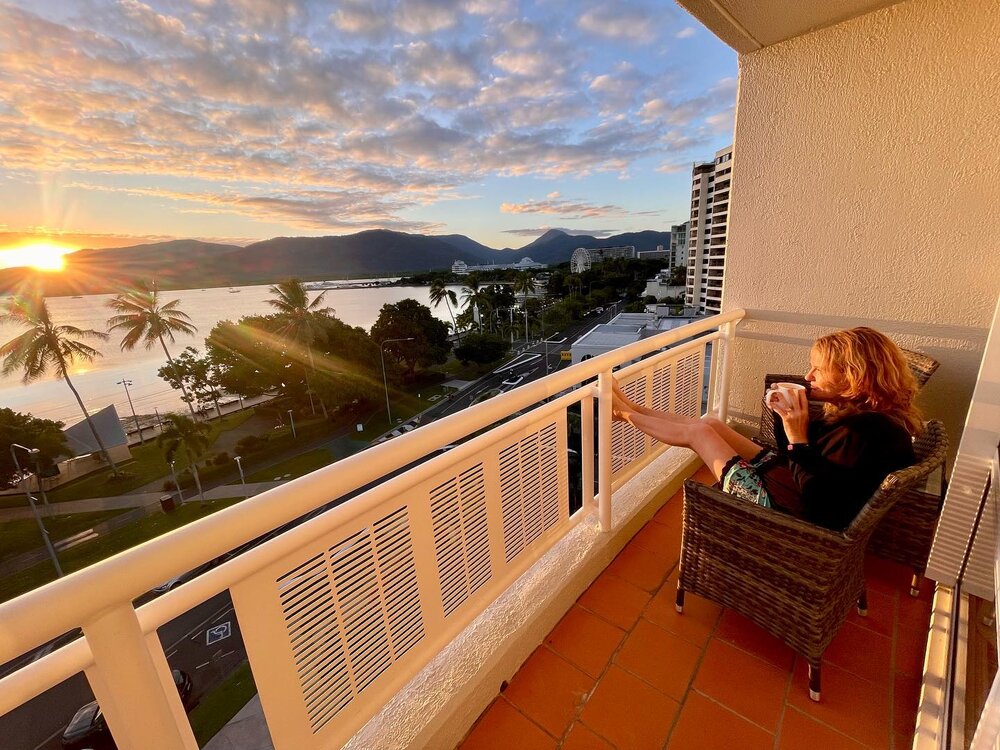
pixel 169 486
pixel 250 443
pixel 221 459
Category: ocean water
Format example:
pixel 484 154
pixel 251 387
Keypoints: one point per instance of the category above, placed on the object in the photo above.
pixel 96 381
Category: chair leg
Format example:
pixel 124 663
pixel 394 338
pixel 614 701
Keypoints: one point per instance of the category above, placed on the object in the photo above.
pixel 679 599
pixel 814 682
pixel 863 603
pixel 915 584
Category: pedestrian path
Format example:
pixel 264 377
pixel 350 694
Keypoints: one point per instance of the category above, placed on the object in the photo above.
pixel 137 500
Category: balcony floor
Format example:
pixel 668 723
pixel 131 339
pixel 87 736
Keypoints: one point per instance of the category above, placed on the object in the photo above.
pixel 624 670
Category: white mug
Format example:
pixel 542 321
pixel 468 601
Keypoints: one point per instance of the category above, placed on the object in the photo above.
pixel 781 394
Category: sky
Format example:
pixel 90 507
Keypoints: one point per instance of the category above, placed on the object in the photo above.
pixel 237 120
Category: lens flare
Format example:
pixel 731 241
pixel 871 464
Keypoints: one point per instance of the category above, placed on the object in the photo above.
pixel 41 256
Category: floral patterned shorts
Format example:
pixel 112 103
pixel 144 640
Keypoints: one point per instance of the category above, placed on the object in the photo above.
pixel 742 478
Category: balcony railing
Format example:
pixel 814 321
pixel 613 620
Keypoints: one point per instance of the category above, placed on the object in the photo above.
pixel 337 613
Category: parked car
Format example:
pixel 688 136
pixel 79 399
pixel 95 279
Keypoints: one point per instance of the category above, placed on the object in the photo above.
pixel 88 729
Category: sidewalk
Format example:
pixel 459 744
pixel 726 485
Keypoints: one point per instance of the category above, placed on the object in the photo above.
pixel 137 500
pixel 245 731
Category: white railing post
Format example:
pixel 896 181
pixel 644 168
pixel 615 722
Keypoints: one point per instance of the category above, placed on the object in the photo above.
pixel 604 449
pixel 725 368
pixel 587 451
pixel 132 683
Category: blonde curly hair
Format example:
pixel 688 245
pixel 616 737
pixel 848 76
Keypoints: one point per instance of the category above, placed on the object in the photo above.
pixel 873 375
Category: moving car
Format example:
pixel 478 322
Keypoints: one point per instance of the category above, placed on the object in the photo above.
pixel 512 380
pixel 88 728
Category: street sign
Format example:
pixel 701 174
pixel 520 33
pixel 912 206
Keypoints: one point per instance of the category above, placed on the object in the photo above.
pixel 218 633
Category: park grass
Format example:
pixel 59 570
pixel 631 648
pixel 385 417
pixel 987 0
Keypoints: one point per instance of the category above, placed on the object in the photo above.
pixel 21 536
pixel 147 465
pixel 218 706
pixel 297 466
pixel 107 545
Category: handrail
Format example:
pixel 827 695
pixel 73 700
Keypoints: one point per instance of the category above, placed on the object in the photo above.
pixel 69 601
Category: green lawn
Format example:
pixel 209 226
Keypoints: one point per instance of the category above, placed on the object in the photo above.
pixel 147 465
pixel 21 536
pixel 106 546
pixel 296 466
pixel 217 707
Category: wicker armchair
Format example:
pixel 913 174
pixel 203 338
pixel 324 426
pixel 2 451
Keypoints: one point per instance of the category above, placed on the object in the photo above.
pixel 796 580
pixel 907 531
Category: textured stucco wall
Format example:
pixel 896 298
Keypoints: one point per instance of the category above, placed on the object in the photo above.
pixel 866 190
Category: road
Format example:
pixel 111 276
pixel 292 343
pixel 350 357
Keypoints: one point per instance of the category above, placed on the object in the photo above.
pixel 205 642
pixel 188 644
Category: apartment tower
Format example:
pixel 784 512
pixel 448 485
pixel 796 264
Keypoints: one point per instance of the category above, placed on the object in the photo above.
pixel 707 232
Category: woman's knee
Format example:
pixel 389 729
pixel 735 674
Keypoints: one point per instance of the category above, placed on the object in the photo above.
pixel 714 422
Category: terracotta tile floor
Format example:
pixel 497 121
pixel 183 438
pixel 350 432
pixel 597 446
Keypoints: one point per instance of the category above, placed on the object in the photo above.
pixel 624 670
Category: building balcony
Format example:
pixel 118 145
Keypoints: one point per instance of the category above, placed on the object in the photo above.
pixel 392 618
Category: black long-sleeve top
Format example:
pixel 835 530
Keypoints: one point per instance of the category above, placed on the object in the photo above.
pixel 828 481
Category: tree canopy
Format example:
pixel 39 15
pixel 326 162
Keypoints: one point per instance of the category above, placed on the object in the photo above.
pixel 31 432
pixel 408 319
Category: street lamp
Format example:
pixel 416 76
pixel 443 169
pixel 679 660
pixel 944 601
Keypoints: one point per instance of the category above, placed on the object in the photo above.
pixel 34 452
pixel 173 473
pixel 138 427
pixel 292 420
pixel 385 380
pixel 243 480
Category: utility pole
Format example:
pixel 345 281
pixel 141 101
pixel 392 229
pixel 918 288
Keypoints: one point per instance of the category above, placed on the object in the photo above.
pixel 385 380
pixel 34 452
pixel 138 426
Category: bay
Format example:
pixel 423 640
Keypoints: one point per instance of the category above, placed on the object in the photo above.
pixel 97 381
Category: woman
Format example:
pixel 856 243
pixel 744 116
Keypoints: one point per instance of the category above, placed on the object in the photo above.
pixel 824 470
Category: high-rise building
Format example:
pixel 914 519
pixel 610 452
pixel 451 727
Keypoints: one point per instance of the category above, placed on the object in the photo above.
pixel 679 245
pixel 710 183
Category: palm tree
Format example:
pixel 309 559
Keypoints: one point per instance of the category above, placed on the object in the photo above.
pixel 440 293
pixel 189 438
pixel 47 345
pixel 474 297
pixel 301 319
pixel 144 319
pixel 524 284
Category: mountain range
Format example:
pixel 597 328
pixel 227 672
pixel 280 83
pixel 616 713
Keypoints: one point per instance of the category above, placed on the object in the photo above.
pixel 179 264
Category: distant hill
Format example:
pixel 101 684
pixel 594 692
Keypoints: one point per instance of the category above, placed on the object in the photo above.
pixel 191 263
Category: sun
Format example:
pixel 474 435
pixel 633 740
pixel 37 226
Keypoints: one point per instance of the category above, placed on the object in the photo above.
pixel 41 256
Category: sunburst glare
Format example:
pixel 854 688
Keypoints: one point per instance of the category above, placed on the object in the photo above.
pixel 41 256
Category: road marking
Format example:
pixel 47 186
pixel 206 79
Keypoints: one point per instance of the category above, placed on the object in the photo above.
pixel 218 633
pixel 49 739
pixel 195 631
pixel 171 653
pixel 203 665
pixel 225 612
pixel 228 653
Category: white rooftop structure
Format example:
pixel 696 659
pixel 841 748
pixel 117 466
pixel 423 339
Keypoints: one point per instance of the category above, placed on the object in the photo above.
pixel 623 329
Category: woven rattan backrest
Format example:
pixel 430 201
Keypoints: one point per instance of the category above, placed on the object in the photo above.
pixel 930 448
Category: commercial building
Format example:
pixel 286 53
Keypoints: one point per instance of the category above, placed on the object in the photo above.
pixel 679 244
pixel 461 268
pixel 660 253
pixel 709 223
pixel 585 257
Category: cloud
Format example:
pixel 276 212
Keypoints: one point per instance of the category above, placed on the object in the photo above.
pixel 322 116
pixel 539 231
pixel 622 21
pixel 554 204
pixel 686 33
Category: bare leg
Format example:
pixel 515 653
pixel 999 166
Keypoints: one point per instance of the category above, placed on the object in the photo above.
pixel 698 436
pixel 740 445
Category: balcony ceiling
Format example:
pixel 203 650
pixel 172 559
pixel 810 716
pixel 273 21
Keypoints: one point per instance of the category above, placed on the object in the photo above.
pixel 748 25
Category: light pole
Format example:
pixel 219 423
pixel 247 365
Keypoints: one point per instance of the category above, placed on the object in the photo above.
pixel 243 480
pixel 292 420
pixel 33 452
pixel 385 380
pixel 173 473
pixel 138 427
